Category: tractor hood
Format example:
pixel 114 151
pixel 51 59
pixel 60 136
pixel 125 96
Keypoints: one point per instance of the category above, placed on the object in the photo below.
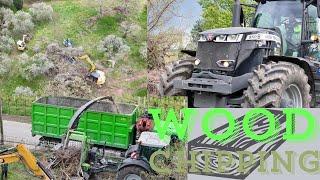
pixel 224 50
pixel 235 30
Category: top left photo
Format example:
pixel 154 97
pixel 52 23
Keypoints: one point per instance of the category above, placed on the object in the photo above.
pixel 72 48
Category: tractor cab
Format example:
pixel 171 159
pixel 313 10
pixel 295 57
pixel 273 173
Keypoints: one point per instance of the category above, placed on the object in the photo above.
pixel 296 22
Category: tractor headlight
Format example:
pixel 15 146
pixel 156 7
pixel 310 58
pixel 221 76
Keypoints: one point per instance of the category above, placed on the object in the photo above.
pixel 202 38
pixel 277 51
pixel 221 38
pixel 234 38
pixel 229 38
pixel 226 63
pixel 197 62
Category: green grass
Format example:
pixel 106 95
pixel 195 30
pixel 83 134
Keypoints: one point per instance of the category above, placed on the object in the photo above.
pixel 14 79
pixel 70 22
pixel 138 87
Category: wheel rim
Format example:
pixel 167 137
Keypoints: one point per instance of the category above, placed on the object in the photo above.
pixel 132 177
pixel 292 97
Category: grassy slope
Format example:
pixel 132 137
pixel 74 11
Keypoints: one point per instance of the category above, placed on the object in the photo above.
pixel 70 22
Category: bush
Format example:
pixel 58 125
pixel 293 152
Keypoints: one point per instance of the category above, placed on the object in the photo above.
pixel 130 30
pixel 23 91
pixel 23 59
pixel 114 47
pixel 53 49
pixel 6 44
pixel 144 51
pixel 18 4
pixel 7 3
pixel 5 64
pixel 36 48
pixel 7 18
pixel 23 23
pixel 37 66
pixel 41 12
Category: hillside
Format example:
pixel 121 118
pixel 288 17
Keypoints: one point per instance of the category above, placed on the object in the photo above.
pixel 86 24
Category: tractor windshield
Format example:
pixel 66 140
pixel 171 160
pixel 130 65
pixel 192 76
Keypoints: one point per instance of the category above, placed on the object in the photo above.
pixel 285 16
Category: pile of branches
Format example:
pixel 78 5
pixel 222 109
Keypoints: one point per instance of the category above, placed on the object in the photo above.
pixel 70 79
pixel 67 164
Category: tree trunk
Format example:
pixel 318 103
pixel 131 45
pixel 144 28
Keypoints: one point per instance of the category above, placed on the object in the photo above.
pixel 1 124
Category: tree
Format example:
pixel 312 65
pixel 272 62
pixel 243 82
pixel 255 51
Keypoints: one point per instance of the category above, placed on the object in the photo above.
pixel 41 12
pixel 115 48
pixel 7 18
pixel 1 125
pixel 218 14
pixel 160 12
pixel 125 7
pixel 197 28
pixel 160 46
pixel 18 4
pixel 7 3
pixel 23 23
pixel 162 39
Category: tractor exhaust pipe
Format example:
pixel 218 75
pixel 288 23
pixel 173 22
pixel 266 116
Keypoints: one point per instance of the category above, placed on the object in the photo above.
pixel 236 14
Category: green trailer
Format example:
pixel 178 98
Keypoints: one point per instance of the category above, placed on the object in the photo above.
pixel 104 123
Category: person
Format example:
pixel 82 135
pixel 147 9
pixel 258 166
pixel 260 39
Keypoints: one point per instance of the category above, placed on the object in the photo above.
pixel 293 34
pixel 4 173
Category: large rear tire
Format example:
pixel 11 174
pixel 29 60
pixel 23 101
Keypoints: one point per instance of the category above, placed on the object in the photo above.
pixel 132 173
pixel 179 70
pixel 278 85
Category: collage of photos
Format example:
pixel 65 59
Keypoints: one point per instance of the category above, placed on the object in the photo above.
pixel 159 89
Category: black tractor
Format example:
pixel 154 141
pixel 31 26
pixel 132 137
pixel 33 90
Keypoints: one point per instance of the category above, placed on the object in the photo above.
pixel 274 63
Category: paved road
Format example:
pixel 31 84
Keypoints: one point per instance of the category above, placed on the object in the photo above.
pixel 19 132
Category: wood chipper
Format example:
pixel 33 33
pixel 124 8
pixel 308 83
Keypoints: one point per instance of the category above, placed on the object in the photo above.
pixel 98 125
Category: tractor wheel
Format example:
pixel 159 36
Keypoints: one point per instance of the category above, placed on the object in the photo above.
pixel 132 173
pixel 179 70
pixel 278 85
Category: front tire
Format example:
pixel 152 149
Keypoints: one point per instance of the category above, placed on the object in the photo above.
pixel 179 70
pixel 278 85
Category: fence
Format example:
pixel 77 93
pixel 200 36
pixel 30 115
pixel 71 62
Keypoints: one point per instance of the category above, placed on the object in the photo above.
pixel 17 105
pixel 144 103
pixel 22 106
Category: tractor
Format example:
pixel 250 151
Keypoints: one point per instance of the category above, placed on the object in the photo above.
pixel 272 63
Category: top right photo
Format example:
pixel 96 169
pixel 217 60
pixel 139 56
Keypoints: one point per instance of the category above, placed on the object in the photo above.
pixel 235 54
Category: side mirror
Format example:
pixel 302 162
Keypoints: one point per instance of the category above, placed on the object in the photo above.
pixel 318 8
pixel 242 18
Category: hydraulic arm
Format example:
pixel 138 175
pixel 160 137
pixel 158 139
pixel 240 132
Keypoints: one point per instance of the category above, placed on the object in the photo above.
pixel 22 154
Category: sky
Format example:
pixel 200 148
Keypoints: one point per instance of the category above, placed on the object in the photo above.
pixel 190 11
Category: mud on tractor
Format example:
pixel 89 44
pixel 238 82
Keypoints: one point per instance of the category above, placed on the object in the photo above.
pixel 272 63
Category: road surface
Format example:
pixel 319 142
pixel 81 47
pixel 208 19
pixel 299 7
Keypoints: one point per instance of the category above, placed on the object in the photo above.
pixel 15 132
